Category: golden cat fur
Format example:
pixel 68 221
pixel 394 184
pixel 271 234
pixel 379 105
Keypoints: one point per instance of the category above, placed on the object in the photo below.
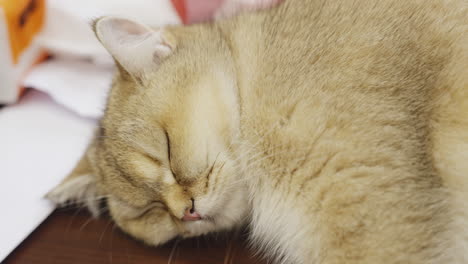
pixel 337 130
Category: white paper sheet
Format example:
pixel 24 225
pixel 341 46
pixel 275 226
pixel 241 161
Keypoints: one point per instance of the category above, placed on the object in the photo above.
pixel 40 142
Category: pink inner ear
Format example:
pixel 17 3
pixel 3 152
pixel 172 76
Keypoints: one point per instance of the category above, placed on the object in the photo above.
pixel 127 26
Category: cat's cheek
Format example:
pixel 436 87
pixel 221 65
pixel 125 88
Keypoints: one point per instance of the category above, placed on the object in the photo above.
pixel 153 228
pixel 225 208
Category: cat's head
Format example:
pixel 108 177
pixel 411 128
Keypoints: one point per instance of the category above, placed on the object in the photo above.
pixel 165 156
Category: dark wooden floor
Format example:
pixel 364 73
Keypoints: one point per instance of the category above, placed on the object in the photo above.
pixel 71 236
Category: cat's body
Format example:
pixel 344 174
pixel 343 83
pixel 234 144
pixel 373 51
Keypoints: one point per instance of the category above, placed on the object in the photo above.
pixel 354 105
pixel 338 130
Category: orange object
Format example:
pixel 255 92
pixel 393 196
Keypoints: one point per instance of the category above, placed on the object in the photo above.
pixel 20 22
pixel 179 6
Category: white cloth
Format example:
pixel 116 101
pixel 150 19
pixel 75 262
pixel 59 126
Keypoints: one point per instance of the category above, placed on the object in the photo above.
pixel 78 85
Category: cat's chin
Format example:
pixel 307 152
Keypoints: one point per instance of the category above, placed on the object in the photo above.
pixel 198 228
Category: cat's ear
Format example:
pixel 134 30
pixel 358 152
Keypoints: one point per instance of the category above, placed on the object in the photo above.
pixel 79 187
pixel 134 46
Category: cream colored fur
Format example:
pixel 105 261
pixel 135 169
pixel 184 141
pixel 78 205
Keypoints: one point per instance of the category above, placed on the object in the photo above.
pixel 337 130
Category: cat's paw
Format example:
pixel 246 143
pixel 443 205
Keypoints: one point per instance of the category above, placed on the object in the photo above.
pixel 80 189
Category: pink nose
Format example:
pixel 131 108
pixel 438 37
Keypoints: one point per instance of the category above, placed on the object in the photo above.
pixel 191 215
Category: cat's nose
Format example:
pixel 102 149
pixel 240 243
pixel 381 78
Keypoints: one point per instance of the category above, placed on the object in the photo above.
pixel 190 214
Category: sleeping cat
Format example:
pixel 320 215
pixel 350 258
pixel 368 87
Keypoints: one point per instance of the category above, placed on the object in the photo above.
pixel 336 130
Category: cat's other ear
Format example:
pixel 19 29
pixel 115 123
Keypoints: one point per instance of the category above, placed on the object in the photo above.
pixel 79 187
pixel 134 46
